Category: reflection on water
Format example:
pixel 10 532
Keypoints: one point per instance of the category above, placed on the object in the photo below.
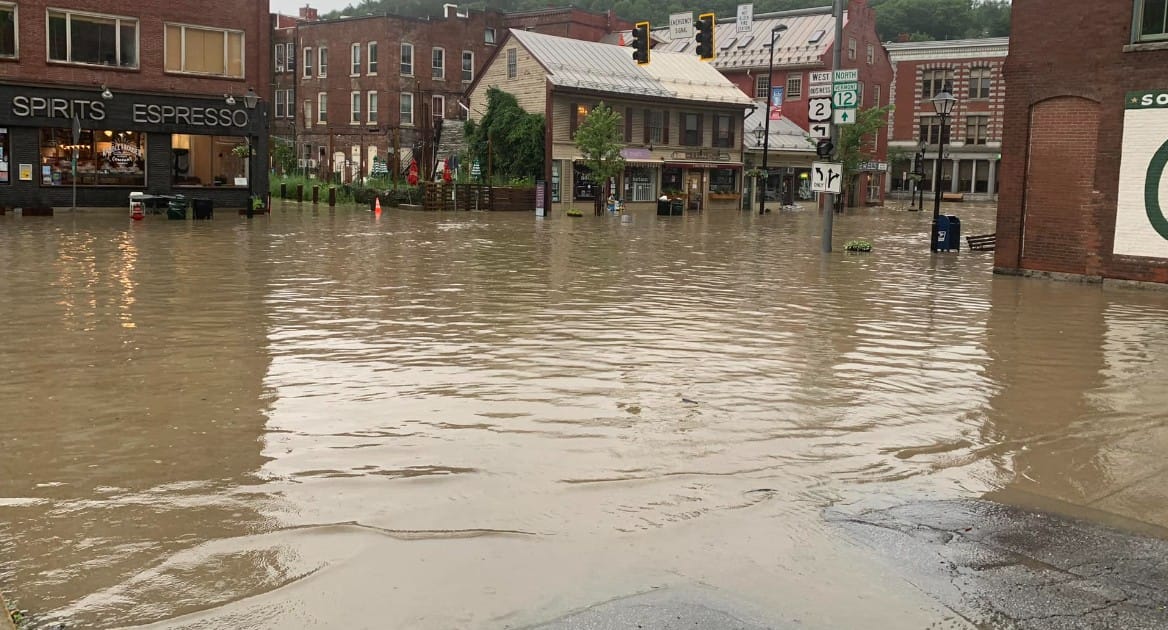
pixel 202 414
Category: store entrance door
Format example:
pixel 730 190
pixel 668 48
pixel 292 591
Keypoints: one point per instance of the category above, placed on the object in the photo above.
pixel 695 187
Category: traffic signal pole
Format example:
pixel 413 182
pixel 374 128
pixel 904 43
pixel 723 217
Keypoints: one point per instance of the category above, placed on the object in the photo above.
pixel 837 12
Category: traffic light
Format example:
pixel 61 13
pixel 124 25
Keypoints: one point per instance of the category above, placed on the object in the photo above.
pixel 705 36
pixel 824 148
pixel 641 43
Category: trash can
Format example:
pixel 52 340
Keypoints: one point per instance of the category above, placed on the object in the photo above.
pixel 954 243
pixel 176 208
pixel 204 208
pixel 941 234
pixel 663 206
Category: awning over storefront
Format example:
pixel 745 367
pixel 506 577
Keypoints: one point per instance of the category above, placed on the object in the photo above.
pixel 734 165
pixel 642 161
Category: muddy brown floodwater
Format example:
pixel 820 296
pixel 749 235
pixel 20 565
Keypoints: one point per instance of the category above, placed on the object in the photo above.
pixel 321 419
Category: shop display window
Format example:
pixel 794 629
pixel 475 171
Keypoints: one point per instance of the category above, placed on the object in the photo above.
pixel 209 160
pixel 5 157
pixel 105 157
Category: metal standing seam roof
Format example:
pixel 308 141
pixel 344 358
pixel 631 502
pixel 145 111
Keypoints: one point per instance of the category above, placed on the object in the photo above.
pixel 735 50
pixel 785 135
pixel 609 68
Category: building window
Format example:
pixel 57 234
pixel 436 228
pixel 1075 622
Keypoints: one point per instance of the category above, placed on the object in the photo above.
pixel 933 81
pixel 489 36
pixel 355 60
pixel 355 108
pixel 199 50
pixel 322 62
pixel 290 57
pixel 640 183
pixel 407 59
pixel 656 122
pixel 288 98
pixel 281 104
pixel 1152 19
pixel 874 184
pixel 438 63
pixel 209 160
pixel 762 86
pixel 5 157
pixel 794 87
pixel 579 118
pixel 438 106
pixel 372 70
pixel 307 113
pixel 308 57
pixel 8 34
pixel 723 132
pixel 723 180
pixel 279 57
pixel 93 39
pixel 851 48
pixel 691 129
pixel 105 157
pixel 322 108
pixel 979 83
pixel 871 54
pixel 977 129
pixel 467 66
pixel 512 63
pixel 372 115
pixel 876 95
pixel 981 177
pixel 931 130
pixel 407 109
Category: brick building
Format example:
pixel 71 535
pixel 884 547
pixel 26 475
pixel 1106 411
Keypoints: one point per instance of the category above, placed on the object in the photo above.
pixel 806 46
pixel 1085 141
pixel 156 91
pixel 283 74
pixel 386 81
pixel 972 68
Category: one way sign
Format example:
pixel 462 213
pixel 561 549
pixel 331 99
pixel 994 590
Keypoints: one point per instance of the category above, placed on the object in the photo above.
pixel 826 177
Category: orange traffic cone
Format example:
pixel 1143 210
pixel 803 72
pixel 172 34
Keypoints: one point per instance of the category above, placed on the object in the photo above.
pixel 377 205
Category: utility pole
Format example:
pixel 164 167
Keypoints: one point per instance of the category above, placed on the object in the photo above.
pixel 837 12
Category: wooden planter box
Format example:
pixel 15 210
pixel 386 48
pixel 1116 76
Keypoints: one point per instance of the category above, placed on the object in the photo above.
pixel 725 196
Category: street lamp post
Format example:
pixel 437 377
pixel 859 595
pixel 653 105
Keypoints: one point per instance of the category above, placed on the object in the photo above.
pixel 766 139
pixel 943 102
pixel 250 100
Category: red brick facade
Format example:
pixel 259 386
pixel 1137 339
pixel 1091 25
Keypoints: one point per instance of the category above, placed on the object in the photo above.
pixel 973 69
pixel 1071 64
pixel 569 22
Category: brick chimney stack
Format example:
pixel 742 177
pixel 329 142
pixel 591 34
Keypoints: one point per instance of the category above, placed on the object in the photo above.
pixel 309 13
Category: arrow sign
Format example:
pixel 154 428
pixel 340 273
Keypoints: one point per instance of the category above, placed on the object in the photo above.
pixel 826 177
pixel 845 116
pixel 820 130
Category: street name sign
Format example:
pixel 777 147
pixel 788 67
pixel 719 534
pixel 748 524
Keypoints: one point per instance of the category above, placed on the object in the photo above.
pixel 820 130
pixel 818 78
pixel 681 26
pixel 826 177
pixel 844 116
pixel 819 109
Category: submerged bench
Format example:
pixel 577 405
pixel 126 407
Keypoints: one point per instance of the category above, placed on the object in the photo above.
pixel 951 196
pixel 982 242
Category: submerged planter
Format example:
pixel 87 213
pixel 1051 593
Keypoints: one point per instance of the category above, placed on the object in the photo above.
pixel 858 245
pixel 573 212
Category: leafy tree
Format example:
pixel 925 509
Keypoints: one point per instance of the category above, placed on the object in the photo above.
pixel 283 156
pixel 508 138
pixel 853 149
pixel 600 138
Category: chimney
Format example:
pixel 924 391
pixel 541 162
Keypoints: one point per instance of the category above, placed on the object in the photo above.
pixel 903 37
pixel 308 13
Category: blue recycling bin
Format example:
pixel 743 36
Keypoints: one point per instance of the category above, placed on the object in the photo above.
pixel 954 234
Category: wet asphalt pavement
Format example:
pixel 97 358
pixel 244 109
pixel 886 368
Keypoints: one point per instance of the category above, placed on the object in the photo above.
pixel 993 566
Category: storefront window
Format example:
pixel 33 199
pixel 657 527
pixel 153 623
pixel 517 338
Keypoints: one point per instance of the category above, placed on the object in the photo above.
pixel 583 187
pixel 671 181
pixel 104 158
pixel 723 180
pixel 93 39
pixel 5 156
pixel 209 160
pixel 640 183
pixel 981 179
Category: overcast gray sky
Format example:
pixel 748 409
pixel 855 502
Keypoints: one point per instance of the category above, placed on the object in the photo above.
pixel 292 7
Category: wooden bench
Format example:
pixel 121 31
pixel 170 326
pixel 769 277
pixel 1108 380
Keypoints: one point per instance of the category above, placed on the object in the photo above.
pixel 982 242
pixel 951 196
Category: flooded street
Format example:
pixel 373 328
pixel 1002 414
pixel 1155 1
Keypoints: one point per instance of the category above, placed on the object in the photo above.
pixel 323 419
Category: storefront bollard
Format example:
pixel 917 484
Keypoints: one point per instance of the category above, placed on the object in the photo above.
pixel 315 194
pixel 299 193
pixel 332 196
pixel 283 190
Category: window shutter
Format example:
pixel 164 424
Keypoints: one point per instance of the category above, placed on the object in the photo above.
pixel 628 124
pixel 572 119
pixel 665 127
pixel 701 137
pixel 645 127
